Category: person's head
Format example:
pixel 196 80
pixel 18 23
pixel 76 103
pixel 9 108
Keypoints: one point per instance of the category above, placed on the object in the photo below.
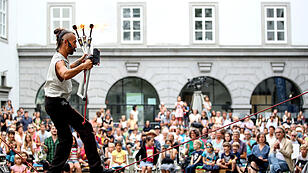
pixel 149 141
pixel 74 142
pixel 195 111
pixel 261 138
pixel 179 99
pixel 26 114
pixel 3 135
pixel 227 146
pixel 209 147
pixel 43 127
pixel 98 114
pixel 219 134
pixel 197 144
pixel 53 131
pixel 218 113
pixel 66 41
pixel 123 118
pixel 171 136
pixel 135 107
pixel 118 146
pixel 131 116
pixel 236 135
pixel 147 123
pixel 153 134
pixel 24 155
pixel 28 138
pixel 304 149
pixel 203 114
pixel 111 146
pixel 30 128
pixel 20 129
pixel 271 130
pixel 280 133
pixel 17 160
pixel 11 134
pixel 228 137
pixel 235 146
pixel 206 98
pixel 194 133
pixel 169 143
pixel 224 114
pixel 293 135
pixel 247 134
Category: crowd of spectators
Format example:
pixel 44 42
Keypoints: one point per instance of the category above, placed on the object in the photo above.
pixel 275 143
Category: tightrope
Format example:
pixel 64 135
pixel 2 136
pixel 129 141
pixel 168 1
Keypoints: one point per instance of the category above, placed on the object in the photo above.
pixel 248 116
pixel 29 164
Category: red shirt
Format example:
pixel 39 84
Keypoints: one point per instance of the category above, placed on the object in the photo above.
pixel 150 152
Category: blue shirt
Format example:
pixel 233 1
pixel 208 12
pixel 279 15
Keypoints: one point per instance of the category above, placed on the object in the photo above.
pixel 263 153
pixel 25 122
pixel 248 148
pixel 209 157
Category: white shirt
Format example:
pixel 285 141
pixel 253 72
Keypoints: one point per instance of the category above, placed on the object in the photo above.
pixel 135 113
pixel 53 86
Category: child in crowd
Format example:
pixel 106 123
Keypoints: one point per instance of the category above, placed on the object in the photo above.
pixel 147 149
pixel 108 154
pixel 301 164
pixel 238 164
pixel 19 167
pixel 10 154
pixel 73 159
pixel 196 157
pixel 227 158
pixel 118 157
pixel 210 158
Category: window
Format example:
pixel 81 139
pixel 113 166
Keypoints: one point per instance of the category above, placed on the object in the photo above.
pixel 203 24
pixel 132 24
pixel 3 80
pixel 3 19
pixel 275 24
pixel 130 91
pixel 60 16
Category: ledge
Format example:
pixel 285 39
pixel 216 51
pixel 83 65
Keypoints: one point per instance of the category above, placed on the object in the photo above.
pixel 127 52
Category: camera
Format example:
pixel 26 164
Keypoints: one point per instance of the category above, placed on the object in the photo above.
pixel 95 57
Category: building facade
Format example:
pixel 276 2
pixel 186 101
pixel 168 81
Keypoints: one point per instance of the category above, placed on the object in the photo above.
pixel 253 53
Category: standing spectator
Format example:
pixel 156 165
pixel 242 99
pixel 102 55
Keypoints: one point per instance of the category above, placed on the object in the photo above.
pixel 9 107
pixel 259 159
pixel 186 113
pixel 26 120
pixel 280 153
pixel 3 122
pixel 179 110
pixel 135 112
pixel 123 122
pixel 165 120
pixel 131 123
pixel 51 144
pixel 207 106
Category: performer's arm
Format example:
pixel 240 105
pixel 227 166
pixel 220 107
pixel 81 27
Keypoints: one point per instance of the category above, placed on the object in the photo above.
pixel 78 61
pixel 64 74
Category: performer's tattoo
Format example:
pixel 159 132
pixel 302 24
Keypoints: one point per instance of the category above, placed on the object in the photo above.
pixel 77 62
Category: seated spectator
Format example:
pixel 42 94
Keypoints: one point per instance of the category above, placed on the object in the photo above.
pixel 301 164
pixel 147 126
pixel 131 123
pixel 259 158
pixel 108 153
pixel 73 159
pixel 238 165
pixel 209 158
pixel 196 157
pixel 10 154
pixel 19 167
pixel 147 149
pixel 227 159
pixel 204 119
pixel 189 148
pixel 123 122
pixel 168 157
pixel 29 146
pixel 249 142
pixel 280 153
pixel 118 157
pixel 108 121
pixel 243 147
pixel 270 137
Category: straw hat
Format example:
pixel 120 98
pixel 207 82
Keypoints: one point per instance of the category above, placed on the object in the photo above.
pixel 151 132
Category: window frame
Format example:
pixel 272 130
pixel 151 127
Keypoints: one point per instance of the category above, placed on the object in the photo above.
pixel 60 5
pixel 4 37
pixel 214 19
pixel 285 19
pixel 142 19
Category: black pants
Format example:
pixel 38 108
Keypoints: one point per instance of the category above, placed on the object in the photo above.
pixel 64 116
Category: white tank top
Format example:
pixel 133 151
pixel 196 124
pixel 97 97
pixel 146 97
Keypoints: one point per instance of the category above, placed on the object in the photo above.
pixel 53 86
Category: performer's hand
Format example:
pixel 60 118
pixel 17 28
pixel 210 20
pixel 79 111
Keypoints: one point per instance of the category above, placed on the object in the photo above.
pixel 84 56
pixel 87 64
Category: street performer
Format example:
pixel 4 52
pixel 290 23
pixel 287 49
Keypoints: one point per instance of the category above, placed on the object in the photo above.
pixel 58 88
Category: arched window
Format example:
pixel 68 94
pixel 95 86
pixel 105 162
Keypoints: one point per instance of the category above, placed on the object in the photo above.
pixel 75 100
pixel 130 91
pixel 275 90
pixel 217 92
